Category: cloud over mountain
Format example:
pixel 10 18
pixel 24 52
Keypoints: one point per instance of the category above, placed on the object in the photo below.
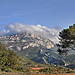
pixel 43 31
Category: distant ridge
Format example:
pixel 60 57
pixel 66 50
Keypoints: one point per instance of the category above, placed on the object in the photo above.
pixel 43 31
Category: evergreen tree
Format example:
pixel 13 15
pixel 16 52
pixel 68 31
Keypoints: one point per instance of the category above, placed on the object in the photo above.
pixel 67 40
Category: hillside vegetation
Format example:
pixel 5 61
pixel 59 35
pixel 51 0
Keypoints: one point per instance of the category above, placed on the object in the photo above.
pixel 36 48
pixel 10 62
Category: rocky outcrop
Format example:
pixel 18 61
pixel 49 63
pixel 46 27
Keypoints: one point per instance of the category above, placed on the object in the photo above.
pixel 22 41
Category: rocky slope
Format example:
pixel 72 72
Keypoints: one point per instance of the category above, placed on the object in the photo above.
pixel 34 47
pixel 25 40
pixel 36 43
pixel 51 34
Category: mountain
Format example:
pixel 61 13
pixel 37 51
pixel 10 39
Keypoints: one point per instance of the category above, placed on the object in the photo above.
pixel 34 47
pixel 10 62
pixel 43 31
pixel 25 40
pixel 32 44
pixel 51 34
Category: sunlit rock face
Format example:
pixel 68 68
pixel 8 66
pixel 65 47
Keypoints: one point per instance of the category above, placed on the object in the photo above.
pixel 33 42
pixel 24 40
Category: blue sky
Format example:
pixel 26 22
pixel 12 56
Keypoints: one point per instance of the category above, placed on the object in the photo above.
pixel 48 13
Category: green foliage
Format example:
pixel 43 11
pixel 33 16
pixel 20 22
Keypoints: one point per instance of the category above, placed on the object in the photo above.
pixel 8 60
pixel 57 69
pixel 29 52
pixel 67 39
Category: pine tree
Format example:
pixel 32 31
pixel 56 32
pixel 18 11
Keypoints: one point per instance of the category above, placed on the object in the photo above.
pixel 67 40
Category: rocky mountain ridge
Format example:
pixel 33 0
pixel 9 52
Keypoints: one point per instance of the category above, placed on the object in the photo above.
pixel 38 48
pixel 43 31
pixel 33 47
pixel 22 41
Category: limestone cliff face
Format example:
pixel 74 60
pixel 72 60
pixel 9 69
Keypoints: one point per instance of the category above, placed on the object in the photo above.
pixel 25 40
pixel 34 47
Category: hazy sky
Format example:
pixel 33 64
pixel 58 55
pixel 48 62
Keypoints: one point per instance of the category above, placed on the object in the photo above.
pixel 48 13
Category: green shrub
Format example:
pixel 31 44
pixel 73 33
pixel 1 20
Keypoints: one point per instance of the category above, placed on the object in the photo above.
pixel 9 60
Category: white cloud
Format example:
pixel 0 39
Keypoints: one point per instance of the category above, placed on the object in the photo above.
pixel 17 27
pixel 43 31
pixel 39 25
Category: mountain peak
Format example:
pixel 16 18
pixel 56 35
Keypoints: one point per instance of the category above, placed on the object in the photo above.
pixel 39 25
pixel 43 31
